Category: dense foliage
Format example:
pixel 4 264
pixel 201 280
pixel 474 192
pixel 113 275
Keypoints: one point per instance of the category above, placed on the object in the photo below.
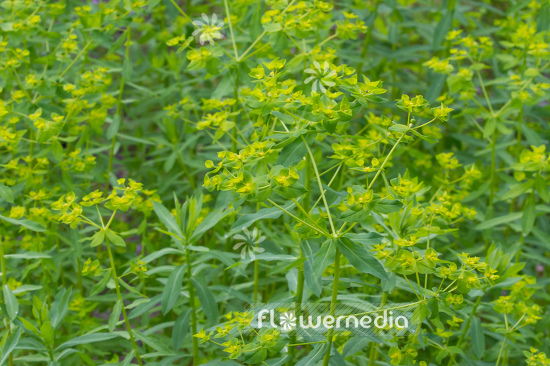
pixel 164 163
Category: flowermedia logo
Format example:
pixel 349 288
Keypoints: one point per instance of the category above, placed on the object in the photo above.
pixel 249 243
pixel 208 29
pixel 351 319
pixel 321 77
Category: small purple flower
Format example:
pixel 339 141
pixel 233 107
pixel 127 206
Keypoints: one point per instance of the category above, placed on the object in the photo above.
pixel 503 293
pixel 139 248
pixel 539 268
pixel 96 1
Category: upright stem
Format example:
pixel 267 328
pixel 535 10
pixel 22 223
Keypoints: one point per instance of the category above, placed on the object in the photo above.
pixel 119 296
pixel 385 161
pixel 3 263
pixel 235 119
pixel 367 39
pixel 118 111
pixel 307 184
pixel 493 170
pixel 297 308
pixel 466 327
pixel 372 354
pixel 333 304
pixel 193 307
pixel 256 268
pixel 4 283
pixel 320 185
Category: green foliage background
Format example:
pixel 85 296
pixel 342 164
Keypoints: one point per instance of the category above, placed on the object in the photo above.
pixel 387 151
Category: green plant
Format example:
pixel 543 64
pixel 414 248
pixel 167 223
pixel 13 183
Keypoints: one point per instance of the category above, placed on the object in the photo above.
pixel 387 153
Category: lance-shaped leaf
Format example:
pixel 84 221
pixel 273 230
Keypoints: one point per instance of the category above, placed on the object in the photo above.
pixel 361 259
pixel 167 219
pixel 172 290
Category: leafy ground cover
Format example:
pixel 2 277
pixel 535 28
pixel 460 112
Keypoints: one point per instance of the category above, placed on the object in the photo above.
pixel 165 163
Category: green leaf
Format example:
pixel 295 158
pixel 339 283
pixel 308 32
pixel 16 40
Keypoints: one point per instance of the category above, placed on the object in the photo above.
pixel 115 315
pixel 31 225
pixel 6 193
pixel 98 287
pixel 167 219
pixel 314 356
pixel 420 313
pixel 529 215
pixel 12 306
pixel 366 238
pixel 477 336
pixel 98 238
pixel 430 139
pixel 278 41
pixel 207 300
pixel 60 306
pixel 47 332
pixel 361 259
pixel 443 28
pixel 325 257
pixel 499 221
pixel 115 239
pixel 28 255
pixel 388 206
pixel 490 127
pixel 209 222
pixel 87 338
pixel 10 345
pixel 263 214
pixel 399 128
pixel 542 187
pixel 180 329
pixel 172 290
pixel 292 154
pixel 113 127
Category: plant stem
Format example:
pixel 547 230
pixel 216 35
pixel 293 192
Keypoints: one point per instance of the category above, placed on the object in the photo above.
pixel 3 263
pixel 333 303
pixel 193 307
pixel 118 112
pixel 385 161
pixel 119 296
pixel 231 29
pixel 182 12
pixel 466 327
pixel 372 354
pixel 297 307
pixel 256 268
pixel 320 185
pixel 307 183
pixel 367 39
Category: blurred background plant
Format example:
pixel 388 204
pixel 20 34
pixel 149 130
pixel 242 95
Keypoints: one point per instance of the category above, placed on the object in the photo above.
pixel 415 158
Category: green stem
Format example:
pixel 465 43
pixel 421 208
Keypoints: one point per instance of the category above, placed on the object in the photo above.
pixel 333 303
pixel 297 307
pixel 118 112
pixel 385 161
pixel 366 41
pixel 493 170
pixel 119 296
pixel 4 283
pixel 307 183
pixel 320 185
pixel 231 29
pixel 193 307
pixel 465 330
pixel 372 354
pixel 3 263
